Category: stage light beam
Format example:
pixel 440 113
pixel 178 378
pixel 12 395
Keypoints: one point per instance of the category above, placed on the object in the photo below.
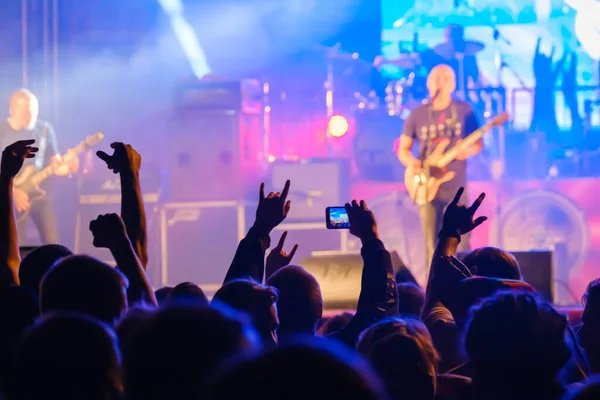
pixel 187 38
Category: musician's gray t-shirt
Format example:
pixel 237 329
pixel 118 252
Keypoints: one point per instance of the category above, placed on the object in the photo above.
pixel 45 138
pixel 429 127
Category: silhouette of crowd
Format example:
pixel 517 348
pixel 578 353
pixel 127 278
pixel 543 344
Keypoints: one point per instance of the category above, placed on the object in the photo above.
pixel 73 327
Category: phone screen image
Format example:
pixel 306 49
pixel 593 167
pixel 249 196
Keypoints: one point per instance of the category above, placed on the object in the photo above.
pixel 337 218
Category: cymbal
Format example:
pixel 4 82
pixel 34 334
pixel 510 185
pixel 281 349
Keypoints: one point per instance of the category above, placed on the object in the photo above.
pixel 404 61
pixel 450 50
pixel 336 53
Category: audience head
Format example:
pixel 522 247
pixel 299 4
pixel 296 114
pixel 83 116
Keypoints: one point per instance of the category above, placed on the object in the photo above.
pixel 67 356
pixel 402 352
pixel 589 391
pixel 492 262
pixel 309 368
pixel 589 333
pixel 516 341
pixel 84 284
pixel 178 346
pixel 256 300
pixel 162 295
pixel 133 321
pixel 188 291
pixel 411 300
pixel 35 264
pixel 300 304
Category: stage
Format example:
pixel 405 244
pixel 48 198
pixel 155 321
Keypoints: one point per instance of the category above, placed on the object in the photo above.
pixel 583 255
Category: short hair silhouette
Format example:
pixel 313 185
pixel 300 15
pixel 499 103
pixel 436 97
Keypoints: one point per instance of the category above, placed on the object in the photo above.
pixel 402 352
pixel 190 292
pixel 256 300
pixel 303 368
pixel 84 284
pixel 179 346
pixel 411 300
pixel 516 343
pixel 39 261
pixel 67 356
pixel 300 304
pixel 493 262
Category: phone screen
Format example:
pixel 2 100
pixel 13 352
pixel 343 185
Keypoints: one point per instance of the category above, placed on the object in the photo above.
pixel 336 218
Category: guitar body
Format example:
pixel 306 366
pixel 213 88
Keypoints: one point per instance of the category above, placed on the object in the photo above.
pixel 423 187
pixel 29 179
pixel 23 182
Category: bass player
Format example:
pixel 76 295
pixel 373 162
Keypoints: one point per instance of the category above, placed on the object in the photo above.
pixel 446 122
pixel 23 124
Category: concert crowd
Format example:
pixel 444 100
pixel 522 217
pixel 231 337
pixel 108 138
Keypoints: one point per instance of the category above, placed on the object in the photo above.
pixel 73 327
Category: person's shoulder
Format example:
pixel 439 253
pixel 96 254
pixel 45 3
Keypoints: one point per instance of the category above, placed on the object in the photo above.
pixel 42 124
pixel 464 105
pixel 420 110
pixel 5 130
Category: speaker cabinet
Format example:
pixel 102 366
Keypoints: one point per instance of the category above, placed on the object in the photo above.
pixel 340 277
pixel 317 183
pixel 198 241
pixel 204 162
pixel 537 268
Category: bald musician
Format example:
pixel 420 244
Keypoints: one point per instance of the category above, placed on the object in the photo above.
pixel 22 124
pixel 441 120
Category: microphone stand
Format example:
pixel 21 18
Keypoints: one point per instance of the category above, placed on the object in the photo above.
pixel 498 174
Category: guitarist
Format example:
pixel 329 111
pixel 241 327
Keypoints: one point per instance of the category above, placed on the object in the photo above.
pixel 23 124
pixel 442 120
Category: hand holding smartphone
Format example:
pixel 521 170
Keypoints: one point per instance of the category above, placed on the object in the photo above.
pixel 336 218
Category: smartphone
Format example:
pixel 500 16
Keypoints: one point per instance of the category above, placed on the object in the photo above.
pixel 336 218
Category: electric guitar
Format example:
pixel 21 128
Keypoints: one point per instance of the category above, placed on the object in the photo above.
pixel 29 179
pixel 424 186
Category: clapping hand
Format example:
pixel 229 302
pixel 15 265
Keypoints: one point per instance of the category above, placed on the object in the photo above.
pixel 108 230
pixel 362 221
pixel 272 209
pixel 278 258
pixel 124 158
pixel 14 156
pixel 458 219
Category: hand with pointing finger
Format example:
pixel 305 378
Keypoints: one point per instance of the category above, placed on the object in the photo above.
pixel 458 219
pixel 272 208
pixel 278 258
pixel 123 159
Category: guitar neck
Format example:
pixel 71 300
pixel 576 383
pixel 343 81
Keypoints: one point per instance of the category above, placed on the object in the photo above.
pixel 49 170
pixel 470 140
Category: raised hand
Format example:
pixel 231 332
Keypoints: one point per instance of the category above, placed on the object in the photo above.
pixel 123 159
pixel 458 218
pixel 14 156
pixel 273 208
pixel 362 220
pixel 278 258
pixel 108 231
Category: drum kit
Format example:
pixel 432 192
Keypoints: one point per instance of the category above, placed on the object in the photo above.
pixel 380 114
